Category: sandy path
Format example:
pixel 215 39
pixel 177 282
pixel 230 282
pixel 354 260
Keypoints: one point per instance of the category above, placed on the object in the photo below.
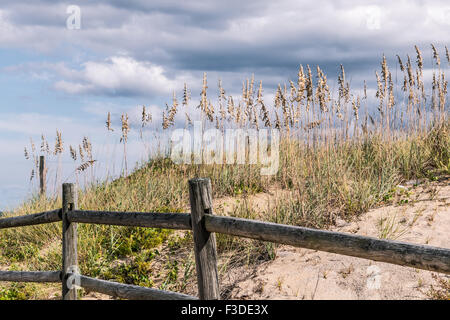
pixel 308 274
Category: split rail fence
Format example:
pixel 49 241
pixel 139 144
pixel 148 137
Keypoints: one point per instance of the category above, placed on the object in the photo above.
pixel 204 225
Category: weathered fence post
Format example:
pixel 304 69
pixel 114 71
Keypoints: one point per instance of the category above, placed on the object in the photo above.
pixel 69 245
pixel 200 196
pixel 42 175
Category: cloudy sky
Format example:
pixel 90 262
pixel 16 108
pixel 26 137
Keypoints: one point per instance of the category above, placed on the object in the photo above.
pixel 56 74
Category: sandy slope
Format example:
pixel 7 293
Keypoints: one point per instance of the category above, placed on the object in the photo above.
pixel 308 274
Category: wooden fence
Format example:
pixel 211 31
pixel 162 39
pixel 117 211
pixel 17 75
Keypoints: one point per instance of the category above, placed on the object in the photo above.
pixel 204 225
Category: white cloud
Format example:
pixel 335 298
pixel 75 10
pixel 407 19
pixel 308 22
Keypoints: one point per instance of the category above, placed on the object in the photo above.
pixel 118 75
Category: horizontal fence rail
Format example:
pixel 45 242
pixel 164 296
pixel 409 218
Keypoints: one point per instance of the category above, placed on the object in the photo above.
pixel 31 219
pixel 181 221
pixel 204 224
pixel 127 291
pixel 395 252
pixel 31 276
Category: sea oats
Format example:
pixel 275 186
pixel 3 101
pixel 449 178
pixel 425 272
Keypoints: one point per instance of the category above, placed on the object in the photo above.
pixel 447 55
pixel 356 104
pixel 80 150
pixel 309 85
pixel 33 147
pixel 259 95
pixel 277 121
pixel 43 144
pixel 143 116
pixel 108 122
pixel 59 143
pixel 73 153
pixel 301 83
pixel 124 138
pixel 384 72
pixel 391 98
pixel 203 95
pixel 265 116
pixel 188 119
pixel 222 98
pixel 238 114
pixel 313 124
pixel 165 123
pixel 278 94
pixel 210 111
pixel 402 68
pixel 419 59
pixel 86 165
pixel 436 55
pixel 344 87
pixel 230 108
pixel 186 96
pixel 322 92
pixel 365 90
pixel 410 72
pixel 87 146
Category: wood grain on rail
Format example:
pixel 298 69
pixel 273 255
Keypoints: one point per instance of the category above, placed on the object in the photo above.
pixel 127 291
pixel 31 219
pixel 395 252
pixel 179 221
pixel 30 276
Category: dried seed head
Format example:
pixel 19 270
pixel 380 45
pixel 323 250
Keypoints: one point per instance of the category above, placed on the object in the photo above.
pixel 384 71
pixel 391 101
pixel 73 153
pixel 81 153
pixel 410 72
pixel 344 87
pixel 108 122
pixel 436 55
pixel 447 55
pixel 86 165
pixel 260 89
pixel 186 96
pixel 356 103
pixel 277 121
pixel 188 119
pixel 33 147
pixel 143 116
pixel 146 117
pixel 402 67
pixel 419 59
pixel 43 143
pixel 309 85
pixel 203 95
pixel 125 128
pixel 59 143
pixel 323 92
pixel 365 90
pixel 230 107
pixel 313 125
pixel 87 146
